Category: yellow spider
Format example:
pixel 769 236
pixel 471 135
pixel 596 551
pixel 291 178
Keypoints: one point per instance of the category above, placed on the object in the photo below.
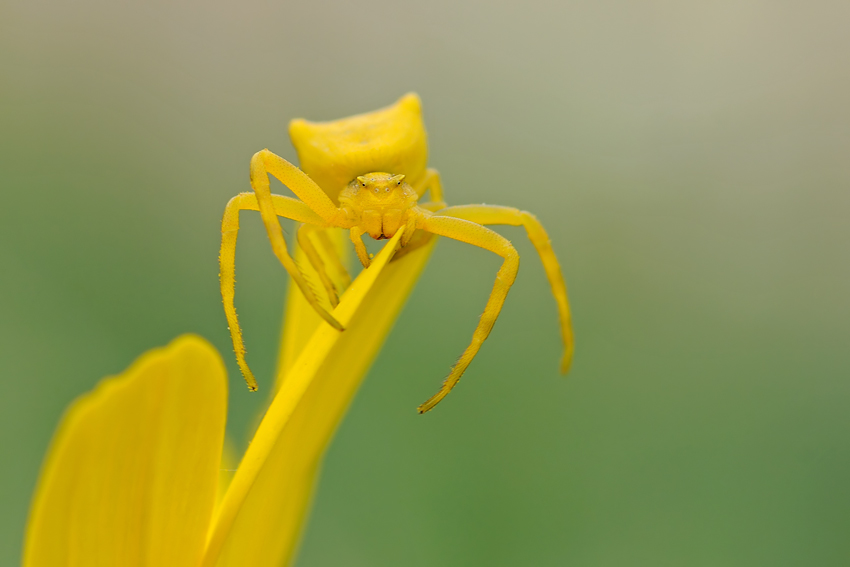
pixel 367 174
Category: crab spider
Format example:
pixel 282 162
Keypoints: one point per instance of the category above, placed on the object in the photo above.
pixel 367 174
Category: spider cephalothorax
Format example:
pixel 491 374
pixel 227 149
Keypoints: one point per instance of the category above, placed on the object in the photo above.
pixel 333 192
pixel 379 203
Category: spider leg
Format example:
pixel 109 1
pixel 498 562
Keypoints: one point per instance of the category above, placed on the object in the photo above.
pixel 419 239
pixel 281 206
pixel 477 235
pixel 432 206
pixel 431 180
pixel 494 214
pixel 304 233
pixel 343 277
pixel 413 240
pixel 264 163
pixel 359 246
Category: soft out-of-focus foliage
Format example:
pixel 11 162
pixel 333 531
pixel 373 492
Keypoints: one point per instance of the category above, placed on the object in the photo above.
pixel 689 162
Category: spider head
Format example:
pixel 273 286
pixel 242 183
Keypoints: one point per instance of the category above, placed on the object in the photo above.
pixel 380 185
pixel 384 190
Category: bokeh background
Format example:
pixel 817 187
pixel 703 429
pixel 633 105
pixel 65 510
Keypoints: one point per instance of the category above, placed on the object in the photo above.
pixel 690 161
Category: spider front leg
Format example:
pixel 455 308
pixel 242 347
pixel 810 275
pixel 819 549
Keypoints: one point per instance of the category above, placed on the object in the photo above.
pixel 264 163
pixel 281 206
pixel 472 233
pixel 305 231
pixel 494 214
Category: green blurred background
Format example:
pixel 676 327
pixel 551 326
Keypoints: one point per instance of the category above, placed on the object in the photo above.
pixel 690 161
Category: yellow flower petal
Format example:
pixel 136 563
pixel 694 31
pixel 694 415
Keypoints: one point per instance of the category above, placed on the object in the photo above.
pixel 260 520
pixel 131 475
pixel 229 461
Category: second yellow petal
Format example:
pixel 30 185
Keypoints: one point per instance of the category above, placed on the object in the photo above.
pixel 131 475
